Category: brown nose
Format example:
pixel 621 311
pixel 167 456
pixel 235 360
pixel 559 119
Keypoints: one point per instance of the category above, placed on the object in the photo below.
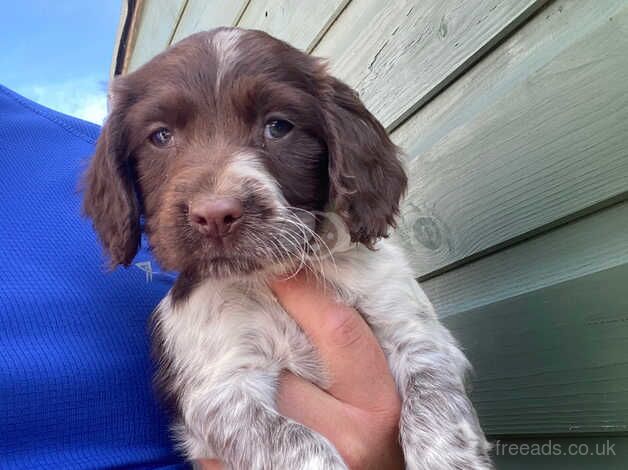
pixel 215 217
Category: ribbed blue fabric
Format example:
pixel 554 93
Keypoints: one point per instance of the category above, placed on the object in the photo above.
pixel 75 368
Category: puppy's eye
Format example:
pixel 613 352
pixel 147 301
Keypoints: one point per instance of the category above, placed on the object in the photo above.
pixel 277 128
pixel 161 137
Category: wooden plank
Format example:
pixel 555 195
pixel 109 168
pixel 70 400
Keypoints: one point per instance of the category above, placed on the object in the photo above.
pixel 533 134
pixel 399 54
pixel 552 361
pixel 561 453
pixel 201 15
pixel 593 243
pixel 155 25
pixel 297 22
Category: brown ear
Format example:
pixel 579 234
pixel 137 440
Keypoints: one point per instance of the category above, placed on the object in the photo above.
pixel 109 196
pixel 366 177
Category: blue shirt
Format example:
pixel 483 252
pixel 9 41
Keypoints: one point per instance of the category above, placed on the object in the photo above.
pixel 75 368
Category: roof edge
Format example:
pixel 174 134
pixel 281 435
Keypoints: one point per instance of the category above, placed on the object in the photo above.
pixel 126 36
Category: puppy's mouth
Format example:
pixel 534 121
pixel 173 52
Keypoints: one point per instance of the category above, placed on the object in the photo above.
pixel 231 256
pixel 252 253
pixel 224 256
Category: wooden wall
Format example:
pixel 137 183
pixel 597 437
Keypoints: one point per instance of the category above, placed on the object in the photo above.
pixel 513 115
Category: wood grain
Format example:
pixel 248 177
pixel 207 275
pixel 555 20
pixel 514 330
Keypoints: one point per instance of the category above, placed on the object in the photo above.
pixel 155 24
pixel 533 134
pixel 590 244
pixel 399 54
pixel 201 15
pixel 297 22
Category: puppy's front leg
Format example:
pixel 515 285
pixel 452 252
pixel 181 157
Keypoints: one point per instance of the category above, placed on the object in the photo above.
pixel 236 422
pixel 439 428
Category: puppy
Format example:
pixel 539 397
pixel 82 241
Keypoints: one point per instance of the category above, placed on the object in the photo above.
pixel 231 147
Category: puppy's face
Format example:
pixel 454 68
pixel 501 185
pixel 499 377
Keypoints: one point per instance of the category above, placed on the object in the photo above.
pixel 227 144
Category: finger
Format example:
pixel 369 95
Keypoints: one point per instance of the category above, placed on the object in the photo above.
pixel 356 433
pixel 355 362
pixel 307 404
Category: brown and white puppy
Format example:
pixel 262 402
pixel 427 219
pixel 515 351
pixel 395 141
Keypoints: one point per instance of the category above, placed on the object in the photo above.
pixel 231 145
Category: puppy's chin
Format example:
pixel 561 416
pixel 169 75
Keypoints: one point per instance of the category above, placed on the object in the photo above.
pixel 238 268
pixel 222 267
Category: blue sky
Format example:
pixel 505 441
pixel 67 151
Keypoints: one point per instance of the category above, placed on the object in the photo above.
pixel 58 53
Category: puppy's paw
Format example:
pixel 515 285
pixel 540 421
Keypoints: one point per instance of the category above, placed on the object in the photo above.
pixel 439 428
pixel 458 447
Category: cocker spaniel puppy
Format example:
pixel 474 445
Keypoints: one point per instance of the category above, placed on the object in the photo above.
pixel 242 156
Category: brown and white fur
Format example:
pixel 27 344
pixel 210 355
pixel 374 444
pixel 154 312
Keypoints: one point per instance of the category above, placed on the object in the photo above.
pixel 238 116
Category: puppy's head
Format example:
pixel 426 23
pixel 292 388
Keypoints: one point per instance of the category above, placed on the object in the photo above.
pixel 226 145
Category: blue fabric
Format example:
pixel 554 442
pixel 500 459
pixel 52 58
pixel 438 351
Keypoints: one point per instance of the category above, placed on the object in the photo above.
pixel 75 368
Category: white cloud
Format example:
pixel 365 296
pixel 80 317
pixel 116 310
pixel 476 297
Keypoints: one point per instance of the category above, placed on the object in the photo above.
pixel 84 98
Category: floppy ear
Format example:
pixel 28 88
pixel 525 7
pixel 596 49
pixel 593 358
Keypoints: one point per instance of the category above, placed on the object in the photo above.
pixel 366 178
pixel 109 196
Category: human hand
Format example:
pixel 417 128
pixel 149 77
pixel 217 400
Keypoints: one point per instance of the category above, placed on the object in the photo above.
pixel 359 413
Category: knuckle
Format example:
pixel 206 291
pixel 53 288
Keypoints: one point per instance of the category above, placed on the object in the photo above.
pixel 345 329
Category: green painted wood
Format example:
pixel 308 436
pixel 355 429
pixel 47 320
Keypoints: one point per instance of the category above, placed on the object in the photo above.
pixel 545 325
pixel 300 23
pixel 399 54
pixel 201 15
pixel 154 27
pixel 552 361
pixel 534 133
pixel 590 244
pixel 562 453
